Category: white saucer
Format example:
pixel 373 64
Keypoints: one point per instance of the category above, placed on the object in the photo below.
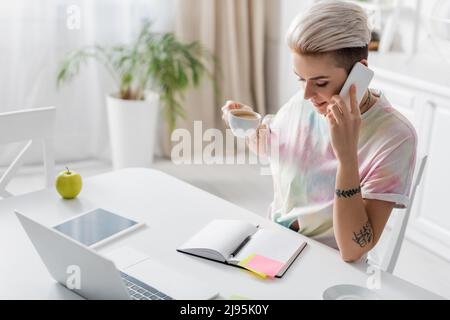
pixel 349 292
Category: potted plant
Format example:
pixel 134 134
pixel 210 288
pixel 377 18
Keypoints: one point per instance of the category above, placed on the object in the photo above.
pixel 154 69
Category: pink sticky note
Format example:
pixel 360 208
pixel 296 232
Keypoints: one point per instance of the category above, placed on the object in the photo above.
pixel 244 262
pixel 264 265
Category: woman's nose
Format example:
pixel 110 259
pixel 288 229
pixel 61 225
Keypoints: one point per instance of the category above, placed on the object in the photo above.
pixel 309 93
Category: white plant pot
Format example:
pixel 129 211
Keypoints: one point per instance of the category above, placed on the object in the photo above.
pixel 132 130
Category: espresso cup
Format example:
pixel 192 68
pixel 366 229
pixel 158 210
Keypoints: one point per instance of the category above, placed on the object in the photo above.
pixel 243 123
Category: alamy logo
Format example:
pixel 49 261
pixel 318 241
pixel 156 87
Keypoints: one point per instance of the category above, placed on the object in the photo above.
pixel 73 17
pixel 74 277
pixel 189 148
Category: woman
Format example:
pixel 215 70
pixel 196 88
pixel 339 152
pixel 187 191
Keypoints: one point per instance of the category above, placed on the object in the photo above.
pixel 340 169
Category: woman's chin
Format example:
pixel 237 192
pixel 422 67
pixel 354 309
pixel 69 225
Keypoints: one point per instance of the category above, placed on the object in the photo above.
pixel 322 110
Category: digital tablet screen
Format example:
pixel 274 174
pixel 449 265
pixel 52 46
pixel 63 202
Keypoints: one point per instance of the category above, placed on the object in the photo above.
pixel 95 226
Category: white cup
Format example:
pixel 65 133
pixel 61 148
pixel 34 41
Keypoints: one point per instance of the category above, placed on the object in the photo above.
pixel 243 123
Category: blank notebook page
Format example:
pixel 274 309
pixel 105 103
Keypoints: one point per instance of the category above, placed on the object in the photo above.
pixel 223 236
pixel 276 245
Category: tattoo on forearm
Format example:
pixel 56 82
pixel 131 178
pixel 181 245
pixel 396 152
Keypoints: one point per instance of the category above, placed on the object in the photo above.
pixel 365 235
pixel 347 193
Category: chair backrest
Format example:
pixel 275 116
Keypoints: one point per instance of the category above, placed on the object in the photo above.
pixel 390 257
pixel 29 126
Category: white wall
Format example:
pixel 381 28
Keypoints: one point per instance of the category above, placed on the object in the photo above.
pixel 33 40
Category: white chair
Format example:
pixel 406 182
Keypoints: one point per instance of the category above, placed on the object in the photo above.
pixel 29 126
pixel 391 253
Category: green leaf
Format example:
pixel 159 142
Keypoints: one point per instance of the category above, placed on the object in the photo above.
pixel 153 61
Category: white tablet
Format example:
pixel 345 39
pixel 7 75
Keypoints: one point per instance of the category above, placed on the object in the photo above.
pixel 96 227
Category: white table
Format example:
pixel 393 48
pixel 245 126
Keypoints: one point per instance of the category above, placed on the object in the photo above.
pixel 173 211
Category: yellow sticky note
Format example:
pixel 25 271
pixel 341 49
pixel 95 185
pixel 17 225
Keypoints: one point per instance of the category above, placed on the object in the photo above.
pixel 264 265
pixel 244 263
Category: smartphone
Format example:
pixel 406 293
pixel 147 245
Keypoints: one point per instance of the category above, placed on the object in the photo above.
pixel 360 76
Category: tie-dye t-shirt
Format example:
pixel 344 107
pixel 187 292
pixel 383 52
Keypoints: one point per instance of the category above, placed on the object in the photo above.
pixel 304 172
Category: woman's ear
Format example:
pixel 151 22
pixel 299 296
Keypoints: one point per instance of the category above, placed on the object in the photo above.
pixel 364 62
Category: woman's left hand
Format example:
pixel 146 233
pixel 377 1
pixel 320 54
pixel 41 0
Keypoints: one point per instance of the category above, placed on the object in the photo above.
pixel 344 123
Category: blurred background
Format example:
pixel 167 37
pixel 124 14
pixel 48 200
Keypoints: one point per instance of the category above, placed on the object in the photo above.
pixel 250 62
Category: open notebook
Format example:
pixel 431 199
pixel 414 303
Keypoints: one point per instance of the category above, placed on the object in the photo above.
pixel 232 241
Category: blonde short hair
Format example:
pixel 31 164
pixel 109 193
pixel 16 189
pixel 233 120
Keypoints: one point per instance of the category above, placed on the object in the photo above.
pixel 337 27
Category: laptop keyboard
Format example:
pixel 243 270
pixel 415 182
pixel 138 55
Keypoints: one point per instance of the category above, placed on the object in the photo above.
pixel 141 291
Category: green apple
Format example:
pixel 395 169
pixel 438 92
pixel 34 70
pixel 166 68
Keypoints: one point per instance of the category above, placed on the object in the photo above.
pixel 68 184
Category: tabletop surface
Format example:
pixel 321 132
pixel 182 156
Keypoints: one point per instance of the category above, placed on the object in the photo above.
pixel 173 211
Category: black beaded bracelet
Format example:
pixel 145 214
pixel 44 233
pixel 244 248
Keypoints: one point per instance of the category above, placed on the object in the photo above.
pixel 348 193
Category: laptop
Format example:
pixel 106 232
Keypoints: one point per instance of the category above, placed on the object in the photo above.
pixel 93 276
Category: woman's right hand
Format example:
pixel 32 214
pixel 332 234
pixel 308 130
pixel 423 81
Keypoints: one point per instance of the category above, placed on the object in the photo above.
pixel 232 105
pixel 257 142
